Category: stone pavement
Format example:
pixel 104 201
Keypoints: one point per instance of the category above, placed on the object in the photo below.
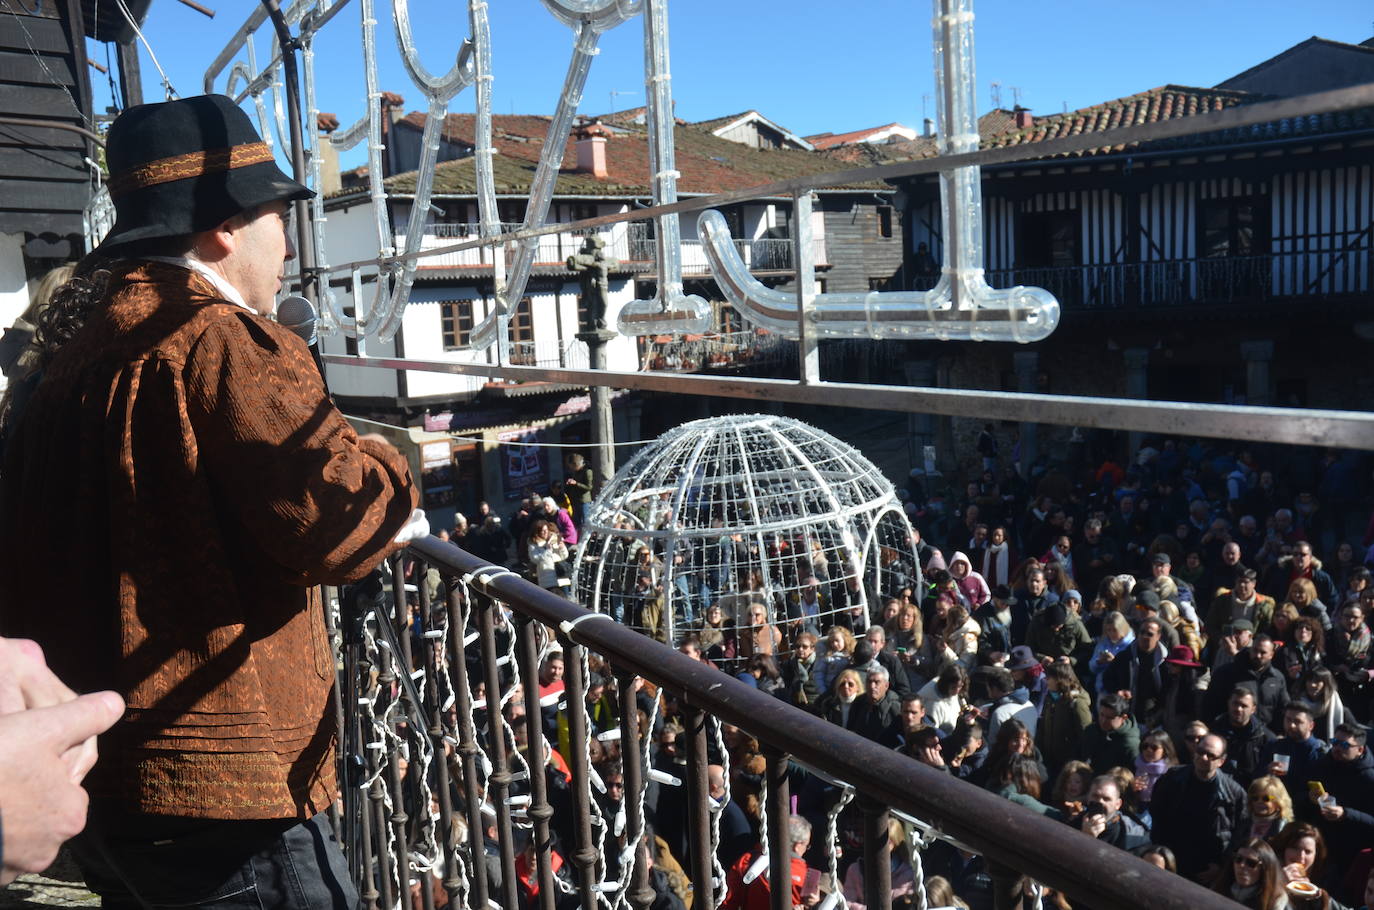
pixel 60 885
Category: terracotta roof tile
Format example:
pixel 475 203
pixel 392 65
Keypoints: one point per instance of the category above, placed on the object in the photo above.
pixel 707 163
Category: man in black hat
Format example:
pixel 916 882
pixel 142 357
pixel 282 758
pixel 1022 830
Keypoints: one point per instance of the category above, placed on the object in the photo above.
pixel 195 435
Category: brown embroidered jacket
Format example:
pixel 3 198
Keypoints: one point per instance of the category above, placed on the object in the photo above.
pixel 175 487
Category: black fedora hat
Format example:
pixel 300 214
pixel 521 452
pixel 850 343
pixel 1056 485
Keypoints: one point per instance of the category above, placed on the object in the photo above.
pixel 179 167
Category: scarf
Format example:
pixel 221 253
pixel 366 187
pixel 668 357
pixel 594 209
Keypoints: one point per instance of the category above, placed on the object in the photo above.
pixel 996 564
pixel 1358 647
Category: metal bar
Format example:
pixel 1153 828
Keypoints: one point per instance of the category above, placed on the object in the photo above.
pixel 640 893
pixel 401 616
pixel 877 855
pixel 499 779
pixel 584 851
pixel 479 894
pixel 388 679
pixel 779 811
pixel 1082 867
pixel 357 835
pixel 305 238
pixel 53 125
pixel 540 812
pixel 803 261
pixel 433 667
pixel 698 806
pixel 1295 426
pixel 377 796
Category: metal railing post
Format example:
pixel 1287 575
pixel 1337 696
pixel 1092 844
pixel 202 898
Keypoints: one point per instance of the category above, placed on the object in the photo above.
pixel 500 778
pixel 779 811
pixel 699 809
pixel 539 811
pixel 585 852
pixel 877 855
pixel 641 895
pixel 479 893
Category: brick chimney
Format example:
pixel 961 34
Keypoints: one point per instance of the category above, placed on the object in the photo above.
pixel 1024 118
pixel 591 150
pixel 329 156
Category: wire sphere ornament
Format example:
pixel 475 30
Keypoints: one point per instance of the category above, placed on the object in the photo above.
pixel 745 530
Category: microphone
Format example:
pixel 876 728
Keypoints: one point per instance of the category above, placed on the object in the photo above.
pixel 298 314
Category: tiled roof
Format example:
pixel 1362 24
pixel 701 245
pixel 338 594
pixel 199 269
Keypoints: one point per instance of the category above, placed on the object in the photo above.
pixel 707 163
pixel 1168 102
pixel 993 123
pixel 716 123
pixel 830 140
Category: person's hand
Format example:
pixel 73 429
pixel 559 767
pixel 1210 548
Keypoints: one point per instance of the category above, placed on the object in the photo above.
pixel 1139 784
pixel 41 793
pixel 1094 825
pixel 1295 872
pixel 1333 812
pixel 1278 768
pixel 25 680
pixel 1108 657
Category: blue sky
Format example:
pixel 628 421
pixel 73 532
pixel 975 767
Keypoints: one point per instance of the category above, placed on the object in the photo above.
pixel 810 65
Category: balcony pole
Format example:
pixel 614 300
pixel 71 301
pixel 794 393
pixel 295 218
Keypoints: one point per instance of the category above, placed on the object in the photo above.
pixel 803 259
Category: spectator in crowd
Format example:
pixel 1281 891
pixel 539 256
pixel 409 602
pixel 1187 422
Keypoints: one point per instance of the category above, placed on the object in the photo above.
pixel 1197 809
pixel 1246 738
pixel 1066 714
pixel 1102 817
pixel 1254 669
pixel 1253 878
pixel 1138 673
pixel 1114 741
pixel 1241 602
pixel 876 716
pixel 1293 757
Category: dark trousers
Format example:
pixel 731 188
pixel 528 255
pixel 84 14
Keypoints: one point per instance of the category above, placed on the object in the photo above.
pixel 146 861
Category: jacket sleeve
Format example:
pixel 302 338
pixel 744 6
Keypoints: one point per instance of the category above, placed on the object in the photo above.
pixel 318 502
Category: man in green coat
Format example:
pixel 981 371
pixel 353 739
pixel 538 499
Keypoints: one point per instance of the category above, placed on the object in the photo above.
pixel 1114 741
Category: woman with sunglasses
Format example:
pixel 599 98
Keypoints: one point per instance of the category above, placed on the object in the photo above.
pixel 1252 877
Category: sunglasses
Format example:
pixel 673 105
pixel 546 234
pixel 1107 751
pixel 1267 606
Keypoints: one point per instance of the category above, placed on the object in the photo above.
pixel 1195 738
pixel 1249 862
pixel 1210 757
pixel 1342 744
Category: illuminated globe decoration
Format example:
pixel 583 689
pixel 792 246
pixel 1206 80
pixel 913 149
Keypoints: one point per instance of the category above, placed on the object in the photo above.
pixel 739 511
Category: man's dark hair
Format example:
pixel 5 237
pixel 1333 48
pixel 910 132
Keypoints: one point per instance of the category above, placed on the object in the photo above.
pixel 1114 703
pixel 912 696
pixel 1245 574
pixel 999 678
pixel 1243 690
pixel 1301 707
pixel 1353 732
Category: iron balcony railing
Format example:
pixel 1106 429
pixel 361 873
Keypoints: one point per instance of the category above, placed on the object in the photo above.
pixel 1227 280
pixel 437 785
pixel 716 351
pixel 627 242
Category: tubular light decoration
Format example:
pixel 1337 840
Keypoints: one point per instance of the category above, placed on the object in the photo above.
pixel 961 306
pixel 671 310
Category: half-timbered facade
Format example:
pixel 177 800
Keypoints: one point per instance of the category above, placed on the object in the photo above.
pixel 1233 266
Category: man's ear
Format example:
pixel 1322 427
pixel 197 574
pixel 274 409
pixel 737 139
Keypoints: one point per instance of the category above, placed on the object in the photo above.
pixel 218 242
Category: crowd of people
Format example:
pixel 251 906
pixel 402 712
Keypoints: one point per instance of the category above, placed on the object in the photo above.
pixel 1172 657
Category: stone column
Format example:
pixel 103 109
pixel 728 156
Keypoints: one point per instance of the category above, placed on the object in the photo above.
pixel 1027 367
pixel 945 457
pixel 603 430
pixel 1137 386
pixel 1258 355
pixel 920 427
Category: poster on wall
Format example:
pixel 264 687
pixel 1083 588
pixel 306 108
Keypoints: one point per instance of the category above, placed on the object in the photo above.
pixel 524 463
pixel 437 476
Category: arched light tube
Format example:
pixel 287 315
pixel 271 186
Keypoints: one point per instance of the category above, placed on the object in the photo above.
pixel 438 92
pixel 670 310
pixel 961 306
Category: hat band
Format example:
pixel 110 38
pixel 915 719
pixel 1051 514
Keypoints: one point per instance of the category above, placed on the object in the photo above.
pixel 192 164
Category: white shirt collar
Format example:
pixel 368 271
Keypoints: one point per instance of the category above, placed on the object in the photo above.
pixel 226 290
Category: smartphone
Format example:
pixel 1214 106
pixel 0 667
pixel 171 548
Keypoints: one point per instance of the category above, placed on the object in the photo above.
pixel 1315 788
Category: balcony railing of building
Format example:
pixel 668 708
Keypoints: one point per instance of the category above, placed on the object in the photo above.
pixel 446 795
pixel 1232 280
pixel 627 242
pixel 716 351
pixel 766 254
pixel 552 352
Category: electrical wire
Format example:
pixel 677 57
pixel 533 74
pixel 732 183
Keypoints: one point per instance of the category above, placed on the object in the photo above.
pixel 458 437
pixel 129 18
